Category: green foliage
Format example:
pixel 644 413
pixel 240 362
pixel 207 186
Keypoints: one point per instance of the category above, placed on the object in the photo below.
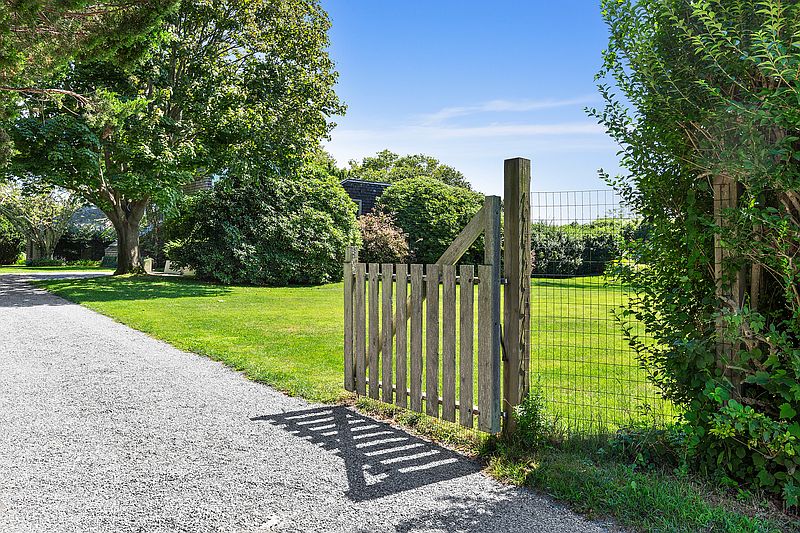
pixel 40 213
pixel 535 427
pixel 432 213
pixel 646 446
pixel 555 252
pixel 381 240
pixel 44 262
pixel 108 262
pixel 714 87
pixel 581 249
pixel 11 243
pixel 41 38
pixel 279 230
pixel 389 167
pixel 222 88
pixel 84 242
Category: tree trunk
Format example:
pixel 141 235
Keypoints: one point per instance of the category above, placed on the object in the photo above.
pixel 128 260
pixel 126 219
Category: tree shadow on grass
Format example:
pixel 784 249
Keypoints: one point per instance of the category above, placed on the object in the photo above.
pixel 510 510
pixel 16 291
pixel 582 282
pixel 380 460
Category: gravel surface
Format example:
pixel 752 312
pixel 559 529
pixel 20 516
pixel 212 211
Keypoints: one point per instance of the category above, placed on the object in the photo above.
pixel 103 428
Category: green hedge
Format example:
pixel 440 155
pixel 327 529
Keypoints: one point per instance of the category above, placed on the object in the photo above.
pixel 11 243
pixel 432 213
pixel 281 230
pixel 581 249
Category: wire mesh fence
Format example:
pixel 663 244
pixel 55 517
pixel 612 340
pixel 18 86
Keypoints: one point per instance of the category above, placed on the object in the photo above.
pixel 580 359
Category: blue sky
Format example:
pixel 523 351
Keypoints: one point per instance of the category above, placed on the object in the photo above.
pixel 472 83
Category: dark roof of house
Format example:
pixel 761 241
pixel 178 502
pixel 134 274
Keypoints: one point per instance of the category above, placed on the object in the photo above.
pixel 364 192
pixel 354 180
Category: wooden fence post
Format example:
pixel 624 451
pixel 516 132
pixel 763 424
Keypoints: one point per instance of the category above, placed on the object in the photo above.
pixel 517 297
pixel 730 286
pixel 350 259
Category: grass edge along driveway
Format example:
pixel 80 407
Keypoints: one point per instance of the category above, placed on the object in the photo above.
pixel 282 336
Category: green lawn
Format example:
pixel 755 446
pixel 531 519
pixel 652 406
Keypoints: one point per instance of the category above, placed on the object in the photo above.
pixel 22 269
pixel 292 339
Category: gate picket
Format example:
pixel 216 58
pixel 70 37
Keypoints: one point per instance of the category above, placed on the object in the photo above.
pixel 432 340
pixel 386 353
pixel 374 331
pixel 466 399
pixel 401 325
pixel 351 256
pixel 416 338
pixel 488 383
pixel 360 334
pixel 449 343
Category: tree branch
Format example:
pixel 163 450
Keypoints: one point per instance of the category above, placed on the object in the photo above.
pixel 35 90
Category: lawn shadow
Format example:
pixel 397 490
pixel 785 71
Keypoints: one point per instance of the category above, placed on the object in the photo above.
pixel 16 290
pixel 108 289
pixel 575 282
pixel 380 460
pixel 510 510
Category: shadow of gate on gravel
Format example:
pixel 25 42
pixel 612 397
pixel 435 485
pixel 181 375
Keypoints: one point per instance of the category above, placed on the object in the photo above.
pixel 379 459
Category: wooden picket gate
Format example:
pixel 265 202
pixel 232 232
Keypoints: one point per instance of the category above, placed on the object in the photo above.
pixel 410 328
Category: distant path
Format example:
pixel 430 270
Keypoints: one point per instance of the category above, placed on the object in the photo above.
pixel 103 428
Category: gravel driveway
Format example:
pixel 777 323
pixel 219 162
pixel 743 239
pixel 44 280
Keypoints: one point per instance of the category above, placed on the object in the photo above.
pixel 103 428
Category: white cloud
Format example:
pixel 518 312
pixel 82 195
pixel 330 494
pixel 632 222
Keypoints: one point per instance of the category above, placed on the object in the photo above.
pixel 566 152
pixel 502 106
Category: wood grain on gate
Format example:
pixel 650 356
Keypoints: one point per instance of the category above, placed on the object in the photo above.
pixel 387 270
pixel 374 331
pixel 449 343
pixel 417 288
pixel 360 333
pixel 432 340
pixel 466 345
pixel 401 335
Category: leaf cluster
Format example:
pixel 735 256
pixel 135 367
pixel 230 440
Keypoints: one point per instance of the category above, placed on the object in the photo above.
pixel 713 88
pixel 432 213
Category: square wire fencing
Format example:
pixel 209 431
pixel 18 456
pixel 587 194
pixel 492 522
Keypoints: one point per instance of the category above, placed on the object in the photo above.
pixel 589 376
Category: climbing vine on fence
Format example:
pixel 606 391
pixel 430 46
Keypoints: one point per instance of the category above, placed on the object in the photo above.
pixel 713 87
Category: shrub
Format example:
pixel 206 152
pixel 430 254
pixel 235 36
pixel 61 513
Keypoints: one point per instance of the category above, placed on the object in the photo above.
pixel 281 230
pixel 44 262
pixel 708 112
pixel 83 263
pixel 432 214
pixel 555 252
pixel 535 427
pixel 381 240
pixel 84 242
pixel 108 261
pixel 11 243
pixel 599 249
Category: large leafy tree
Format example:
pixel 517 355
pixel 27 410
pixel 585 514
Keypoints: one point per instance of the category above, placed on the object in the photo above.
pixel 40 215
pixel 431 214
pixel 389 167
pixel 39 38
pixel 714 87
pixel 224 88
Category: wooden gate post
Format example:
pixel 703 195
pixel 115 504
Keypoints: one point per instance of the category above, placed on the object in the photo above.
pixel 350 259
pixel 729 286
pixel 517 308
